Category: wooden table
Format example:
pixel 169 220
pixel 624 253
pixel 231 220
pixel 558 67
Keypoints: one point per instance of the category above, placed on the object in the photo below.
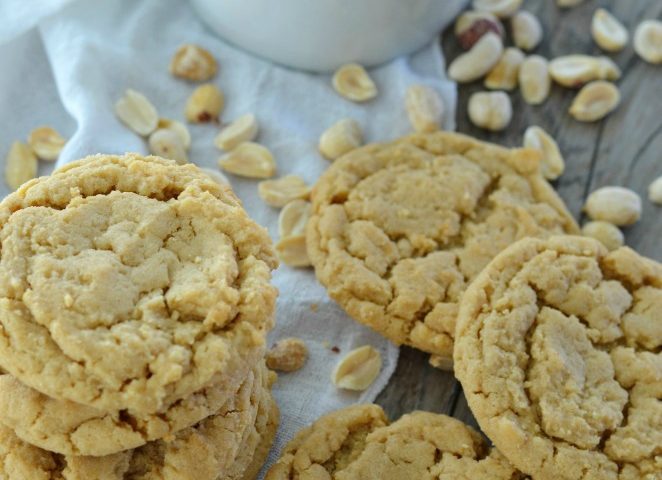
pixel 623 149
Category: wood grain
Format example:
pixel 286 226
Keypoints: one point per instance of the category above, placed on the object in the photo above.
pixel 624 149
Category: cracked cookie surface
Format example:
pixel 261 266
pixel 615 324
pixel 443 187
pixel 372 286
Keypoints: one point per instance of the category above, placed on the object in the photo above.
pixel 229 445
pixel 358 443
pixel 129 282
pixel 558 351
pixel 398 230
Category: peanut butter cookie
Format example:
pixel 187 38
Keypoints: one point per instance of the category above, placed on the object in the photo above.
pixel 73 429
pixel 398 230
pixel 220 447
pixel 558 350
pixel 358 443
pixel 129 282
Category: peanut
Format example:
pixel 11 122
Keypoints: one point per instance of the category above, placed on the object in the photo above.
pixel 490 110
pixel 500 8
pixel 192 62
pixel 353 82
pixel 216 176
pixel 293 218
pixel 292 251
pixel 20 165
pixel 424 108
pixel 552 165
pixel 648 41
pixel 574 71
pixel 340 138
pixel 655 191
pixel 534 81
pixel 204 104
pixel 179 128
pixel 471 26
pixel 243 129
pixel 527 30
pixel 617 205
pixel 604 232
pixel 358 369
pixel 287 355
pixel 46 143
pixel 167 143
pixel 595 101
pixel 568 3
pixel 608 32
pixel 282 191
pixel 137 113
pixel 475 63
pixel 249 160
pixel 504 74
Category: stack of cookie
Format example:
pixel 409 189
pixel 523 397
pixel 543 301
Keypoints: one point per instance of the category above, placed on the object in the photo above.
pixel 135 301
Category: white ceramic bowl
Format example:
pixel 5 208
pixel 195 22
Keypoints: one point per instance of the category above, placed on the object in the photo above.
pixel 321 35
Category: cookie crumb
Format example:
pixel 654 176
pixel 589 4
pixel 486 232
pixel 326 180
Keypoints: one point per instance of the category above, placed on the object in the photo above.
pixel 287 355
pixel 314 307
pixel 335 349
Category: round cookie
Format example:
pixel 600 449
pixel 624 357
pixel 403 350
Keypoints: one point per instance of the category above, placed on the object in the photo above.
pixel 129 282
pixel 558 350
pixel 214 449
pixel 399 230
pixel 70 428
pixel 358 443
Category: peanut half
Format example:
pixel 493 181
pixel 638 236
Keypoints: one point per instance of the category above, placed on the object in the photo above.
pixel 340 138
pixel 595 101
pixel 604 232
pixel 655 191
pixel 504 75
pixel 552 165
pixel 617 205
pixel 20 165
pixel 137 113
pixel 287 355
pixel 293 218
pixel 204 104
pixel 424 108
pixel 168 143
pixel 292 251
pixel 575 71
pixel 648 41
pixel 358 369
pixel 500 8
pixel 353 82
pixel 249 160
pixel 179 128
pixel 192 62
pixel 534 81
pixel 527 30
pixel 478 61
pixel 46 143
pixel 490 110
pixel 470 26
pixel 282 191
pixel 243 129
pixel 216 176
pixel 608 32
pixel 568 3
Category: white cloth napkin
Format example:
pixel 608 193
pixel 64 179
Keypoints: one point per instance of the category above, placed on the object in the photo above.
pixel 70 70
